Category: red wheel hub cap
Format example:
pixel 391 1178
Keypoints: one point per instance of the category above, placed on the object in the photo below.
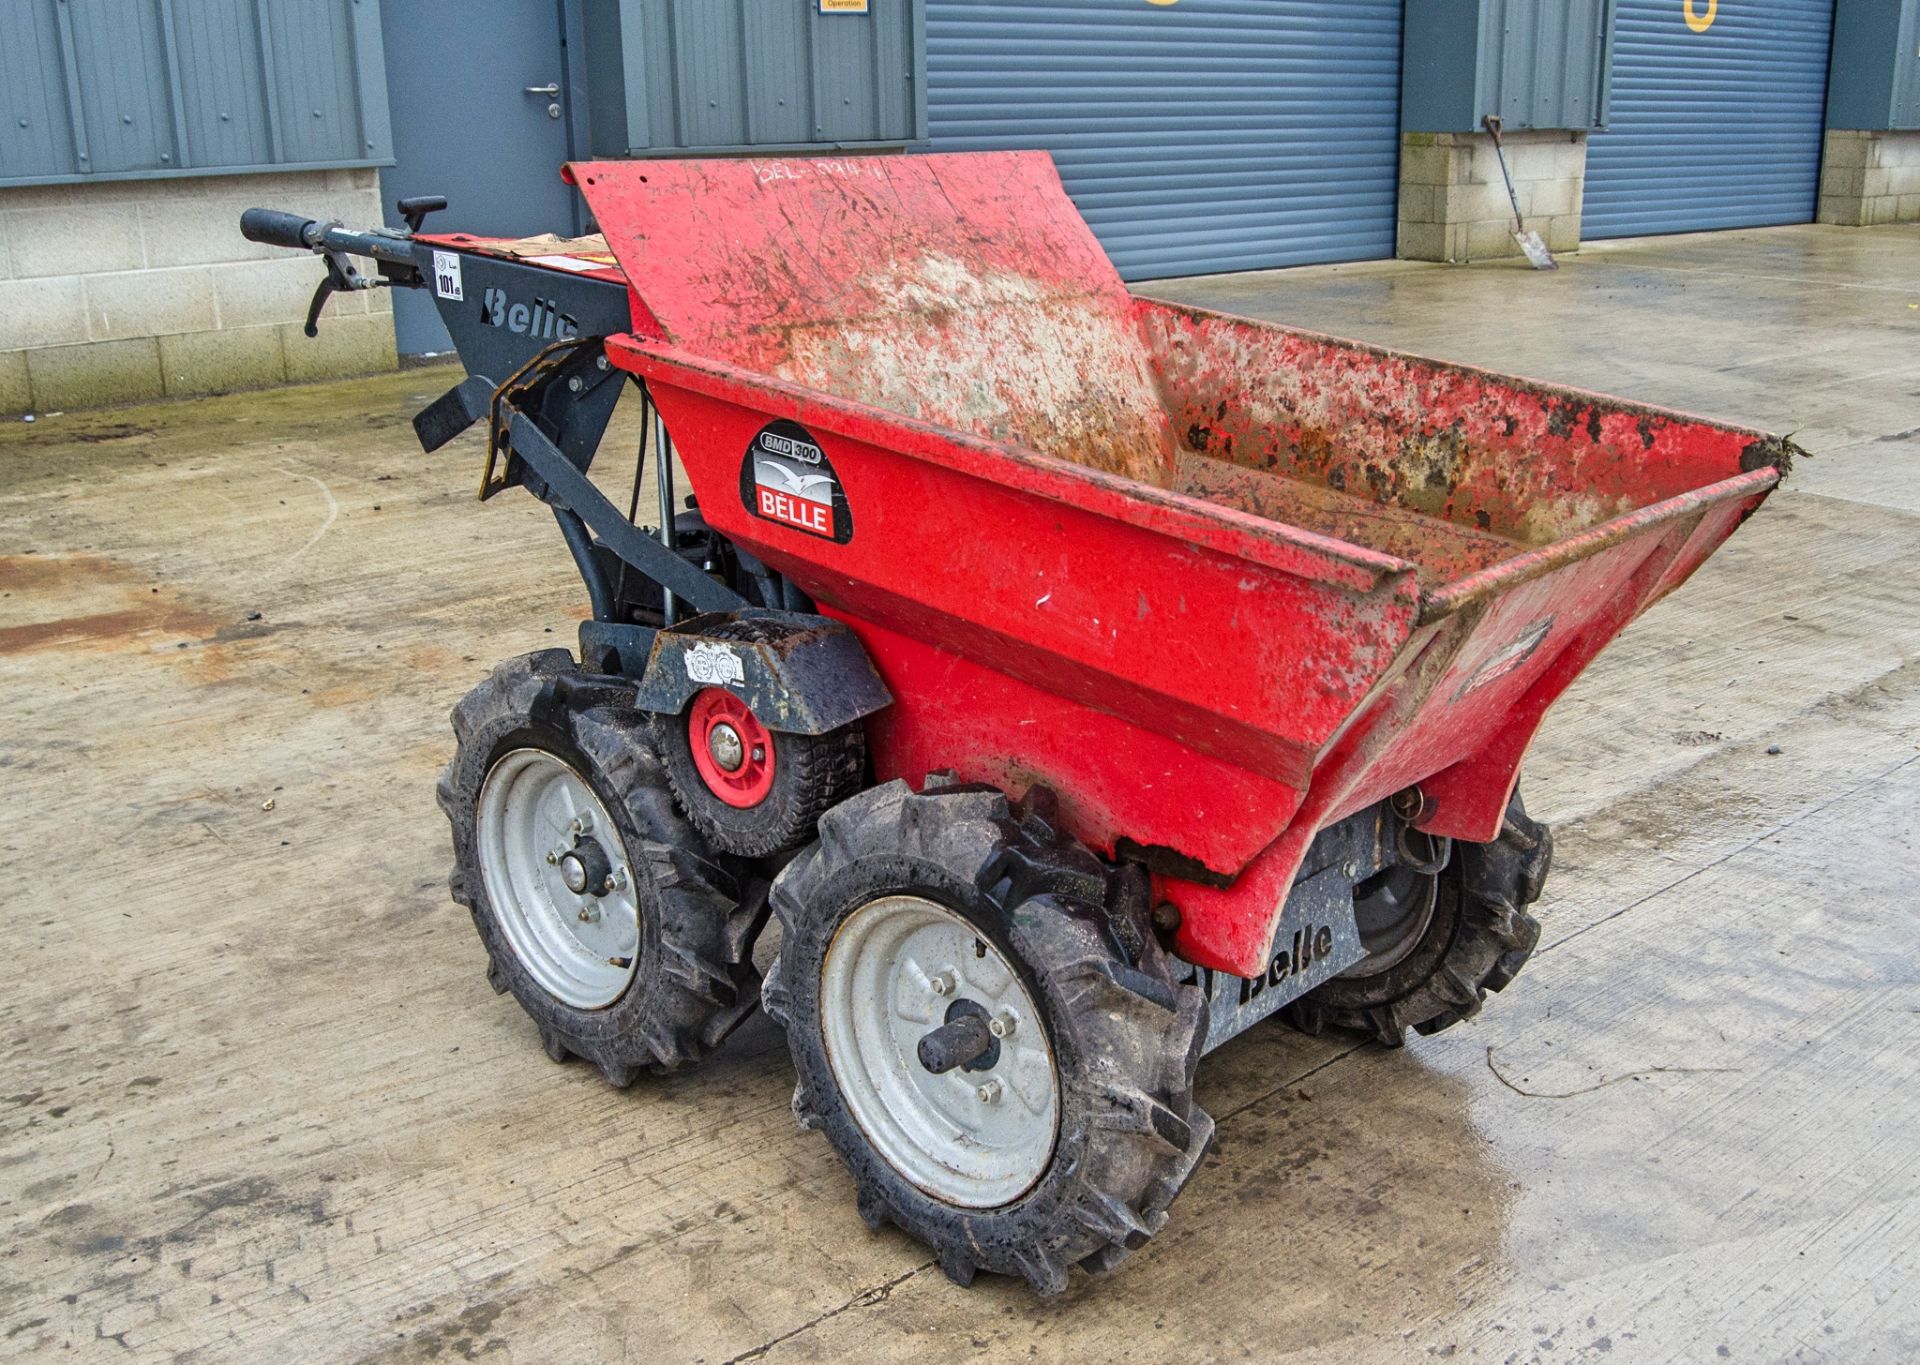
pixel 731 748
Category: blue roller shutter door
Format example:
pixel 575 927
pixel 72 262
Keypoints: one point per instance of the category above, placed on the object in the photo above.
pixel 1711 124
pixel 1197 137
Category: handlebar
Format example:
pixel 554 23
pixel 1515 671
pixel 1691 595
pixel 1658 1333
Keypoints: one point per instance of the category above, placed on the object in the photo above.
pixel 275 227
pixel 334 244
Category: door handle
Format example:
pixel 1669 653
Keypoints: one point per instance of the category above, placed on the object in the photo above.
pixel 550 91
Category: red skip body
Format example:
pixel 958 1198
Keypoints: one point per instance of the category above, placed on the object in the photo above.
pixel 1217 582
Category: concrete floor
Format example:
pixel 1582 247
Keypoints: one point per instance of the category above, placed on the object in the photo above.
pixel 258 1103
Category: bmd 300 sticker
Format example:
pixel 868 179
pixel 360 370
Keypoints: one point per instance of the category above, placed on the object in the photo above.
pixel 786 477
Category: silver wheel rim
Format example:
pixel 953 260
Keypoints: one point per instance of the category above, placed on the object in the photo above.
pixel 580 948
pixel 973 1138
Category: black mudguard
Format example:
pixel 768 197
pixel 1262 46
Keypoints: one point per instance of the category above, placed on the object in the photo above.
pixel 812 680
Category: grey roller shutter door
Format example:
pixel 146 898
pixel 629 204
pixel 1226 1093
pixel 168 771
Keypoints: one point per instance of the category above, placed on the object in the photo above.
pixel 1713 127
pixel 1202 136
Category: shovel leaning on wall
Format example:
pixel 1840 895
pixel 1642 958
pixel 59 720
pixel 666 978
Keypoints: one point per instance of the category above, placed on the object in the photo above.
pixel 1529 240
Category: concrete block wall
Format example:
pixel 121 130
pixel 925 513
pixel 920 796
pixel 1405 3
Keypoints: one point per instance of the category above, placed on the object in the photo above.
pixel 1867 178
pixel 122 291
pixel 1453 202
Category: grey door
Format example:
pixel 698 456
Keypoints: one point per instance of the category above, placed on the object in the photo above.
pixel 467 123
pixel 1196 137
pixel 1716 117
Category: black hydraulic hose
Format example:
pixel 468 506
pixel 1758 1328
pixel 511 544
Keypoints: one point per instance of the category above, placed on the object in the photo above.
pixel 580 541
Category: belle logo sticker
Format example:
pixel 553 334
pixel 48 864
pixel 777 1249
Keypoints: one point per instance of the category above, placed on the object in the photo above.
pixel 786 477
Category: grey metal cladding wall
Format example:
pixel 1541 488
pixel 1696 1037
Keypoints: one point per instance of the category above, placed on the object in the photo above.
pixel 1905 111
pixel 123 89
pixel 1536 65
pixel 1906 80
pixel 119 51
pixel 726 74
pixel 1715 128
pixel 1873 79
pixel 1205 136
pixel 36 134
pixel 218 76
pixel 1543 65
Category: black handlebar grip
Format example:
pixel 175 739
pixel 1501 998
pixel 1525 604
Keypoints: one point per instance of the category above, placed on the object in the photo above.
pixel 274 227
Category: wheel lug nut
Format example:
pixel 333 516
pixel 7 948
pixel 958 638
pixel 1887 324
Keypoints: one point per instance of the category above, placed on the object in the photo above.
pixel 989 1092
pixel 1001 1026
pixel 589 913
pixel 552 857
pixel 941 984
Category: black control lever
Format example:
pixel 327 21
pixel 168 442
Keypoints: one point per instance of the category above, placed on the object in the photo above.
pixel 341 278
pixel 416 209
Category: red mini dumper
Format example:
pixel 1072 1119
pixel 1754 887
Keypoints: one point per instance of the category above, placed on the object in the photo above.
pixel 1080 678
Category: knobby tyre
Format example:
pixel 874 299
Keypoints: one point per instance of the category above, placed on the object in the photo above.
pixel 1122 1037
pixel 689 979
pixel 1479 936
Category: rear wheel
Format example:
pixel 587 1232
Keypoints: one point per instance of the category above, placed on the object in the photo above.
pixel 600 909
pixel 1437 941
pixel 1005 1081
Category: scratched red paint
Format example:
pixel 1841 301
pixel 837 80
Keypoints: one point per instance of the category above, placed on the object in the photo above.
pixel 1217 582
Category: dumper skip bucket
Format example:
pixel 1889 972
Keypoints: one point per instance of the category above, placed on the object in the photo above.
pixel 1217 583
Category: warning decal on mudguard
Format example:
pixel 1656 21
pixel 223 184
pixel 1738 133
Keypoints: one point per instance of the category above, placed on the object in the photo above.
pixel 786 477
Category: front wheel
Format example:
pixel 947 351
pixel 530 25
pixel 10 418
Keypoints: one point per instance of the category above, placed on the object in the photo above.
pixel 1005 1081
